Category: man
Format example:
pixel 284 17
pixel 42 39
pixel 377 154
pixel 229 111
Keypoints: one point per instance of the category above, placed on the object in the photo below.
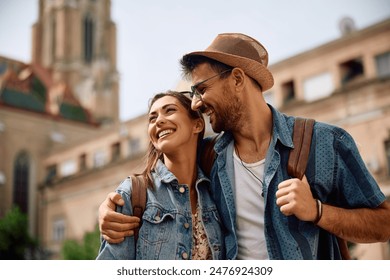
pixel 266 213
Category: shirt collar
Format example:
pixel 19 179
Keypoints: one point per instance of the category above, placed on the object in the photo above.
pixel 282 127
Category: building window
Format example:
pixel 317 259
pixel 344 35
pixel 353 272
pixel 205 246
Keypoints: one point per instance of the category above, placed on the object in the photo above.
pixel 383 64
pixel 115 151
pixel 318 86
pixel 57 137
pixel 134 146
pixel 288 92
pixel 387 149
pixel 68 168
pixel 51 174
pixel 88 39
pixel 3 67
pixel 83 162
pixel 351 70
pixel 99 159
pixel 21 181
pixel 59 230
pixel 53 38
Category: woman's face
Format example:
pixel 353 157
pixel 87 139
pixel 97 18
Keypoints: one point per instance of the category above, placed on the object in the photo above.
pixel 170 126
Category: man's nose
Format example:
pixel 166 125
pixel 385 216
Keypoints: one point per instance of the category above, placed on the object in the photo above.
pixel 196 103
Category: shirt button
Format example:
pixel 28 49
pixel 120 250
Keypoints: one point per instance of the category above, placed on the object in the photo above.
pixel 157 218
pixel 184 255
pixel 182 189
pixel 186 225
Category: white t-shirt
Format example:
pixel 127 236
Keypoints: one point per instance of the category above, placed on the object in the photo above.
pixel 250 210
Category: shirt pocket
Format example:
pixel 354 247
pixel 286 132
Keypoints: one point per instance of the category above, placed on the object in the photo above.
pixel 213 227
pixel 158 223
pixel 211 215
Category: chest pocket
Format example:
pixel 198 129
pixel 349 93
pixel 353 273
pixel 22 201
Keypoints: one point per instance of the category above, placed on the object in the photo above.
pixel 157 224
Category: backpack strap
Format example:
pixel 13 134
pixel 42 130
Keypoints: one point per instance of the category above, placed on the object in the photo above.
pixel 302 134
pixel 207 156
pixel 138 200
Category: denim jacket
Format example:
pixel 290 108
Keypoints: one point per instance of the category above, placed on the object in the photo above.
pixel 166 231
pixel 336 173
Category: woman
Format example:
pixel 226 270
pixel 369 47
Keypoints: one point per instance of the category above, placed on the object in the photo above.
pixel 180 220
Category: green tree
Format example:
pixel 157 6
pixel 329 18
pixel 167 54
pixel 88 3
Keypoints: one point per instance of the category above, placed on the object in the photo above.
pixel 85 250
pixel 15 240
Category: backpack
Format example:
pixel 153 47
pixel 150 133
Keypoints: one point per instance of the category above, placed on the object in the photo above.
pixel 297 162
pixel 296 167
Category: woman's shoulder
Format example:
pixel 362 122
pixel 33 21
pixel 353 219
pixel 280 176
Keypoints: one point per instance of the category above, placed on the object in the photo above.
pixel 125 186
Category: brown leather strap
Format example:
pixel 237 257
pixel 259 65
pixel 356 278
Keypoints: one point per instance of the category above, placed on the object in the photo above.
pixel 138 200
pixel 302 134
pixel 207 156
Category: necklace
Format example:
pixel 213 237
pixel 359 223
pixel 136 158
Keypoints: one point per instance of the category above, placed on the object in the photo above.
pixel 250 171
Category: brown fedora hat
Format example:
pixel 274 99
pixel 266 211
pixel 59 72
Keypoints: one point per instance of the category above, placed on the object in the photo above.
pixel 240 50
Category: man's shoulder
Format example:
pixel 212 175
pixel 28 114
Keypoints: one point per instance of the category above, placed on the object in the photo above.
pixel 337 132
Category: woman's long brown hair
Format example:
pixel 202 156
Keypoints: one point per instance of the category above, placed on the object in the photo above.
pixel 153 155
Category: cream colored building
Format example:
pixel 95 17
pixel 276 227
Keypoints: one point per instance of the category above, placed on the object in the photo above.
pixel 345 82
pixel 61 165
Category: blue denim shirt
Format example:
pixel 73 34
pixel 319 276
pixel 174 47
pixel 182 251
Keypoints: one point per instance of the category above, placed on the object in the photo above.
pixel 336 173
pixel 166 231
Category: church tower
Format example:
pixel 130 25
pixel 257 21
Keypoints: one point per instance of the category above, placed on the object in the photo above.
pixel 76 41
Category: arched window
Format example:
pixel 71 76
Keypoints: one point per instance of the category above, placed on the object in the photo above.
pixel 53 38
pixel 88 39
pixel 21 181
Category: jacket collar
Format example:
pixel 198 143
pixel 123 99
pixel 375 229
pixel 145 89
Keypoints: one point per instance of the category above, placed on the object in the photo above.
pixel 166 176
pixel 163 173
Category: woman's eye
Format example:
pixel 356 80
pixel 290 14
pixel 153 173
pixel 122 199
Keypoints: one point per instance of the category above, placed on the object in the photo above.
pixel 152 119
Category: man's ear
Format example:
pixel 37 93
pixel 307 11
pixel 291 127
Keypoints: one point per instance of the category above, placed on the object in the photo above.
pixel 239 77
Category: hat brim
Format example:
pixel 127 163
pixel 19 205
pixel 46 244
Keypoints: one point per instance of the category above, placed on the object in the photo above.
pixel 251 67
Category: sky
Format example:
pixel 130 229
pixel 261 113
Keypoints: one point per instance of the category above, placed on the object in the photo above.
pixel 152 35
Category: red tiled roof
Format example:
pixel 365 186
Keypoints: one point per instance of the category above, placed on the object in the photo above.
pixel 43 74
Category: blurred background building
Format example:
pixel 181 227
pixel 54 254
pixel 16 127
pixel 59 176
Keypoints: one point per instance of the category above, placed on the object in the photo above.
pixel 63 147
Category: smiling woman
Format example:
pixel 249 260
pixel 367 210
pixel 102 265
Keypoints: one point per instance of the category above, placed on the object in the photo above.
pixel 172 120
pixel 178 198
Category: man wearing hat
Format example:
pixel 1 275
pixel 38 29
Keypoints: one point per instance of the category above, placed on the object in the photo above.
pixel 267 214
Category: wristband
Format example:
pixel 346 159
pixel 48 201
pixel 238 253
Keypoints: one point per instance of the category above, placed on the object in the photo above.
pixel 319 212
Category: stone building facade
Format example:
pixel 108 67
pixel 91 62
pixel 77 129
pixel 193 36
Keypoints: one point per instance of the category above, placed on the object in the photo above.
pixel 62 151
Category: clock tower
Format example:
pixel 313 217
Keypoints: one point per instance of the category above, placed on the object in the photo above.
pixel 76 41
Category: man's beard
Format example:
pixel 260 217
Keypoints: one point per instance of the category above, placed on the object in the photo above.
pixel 228 114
